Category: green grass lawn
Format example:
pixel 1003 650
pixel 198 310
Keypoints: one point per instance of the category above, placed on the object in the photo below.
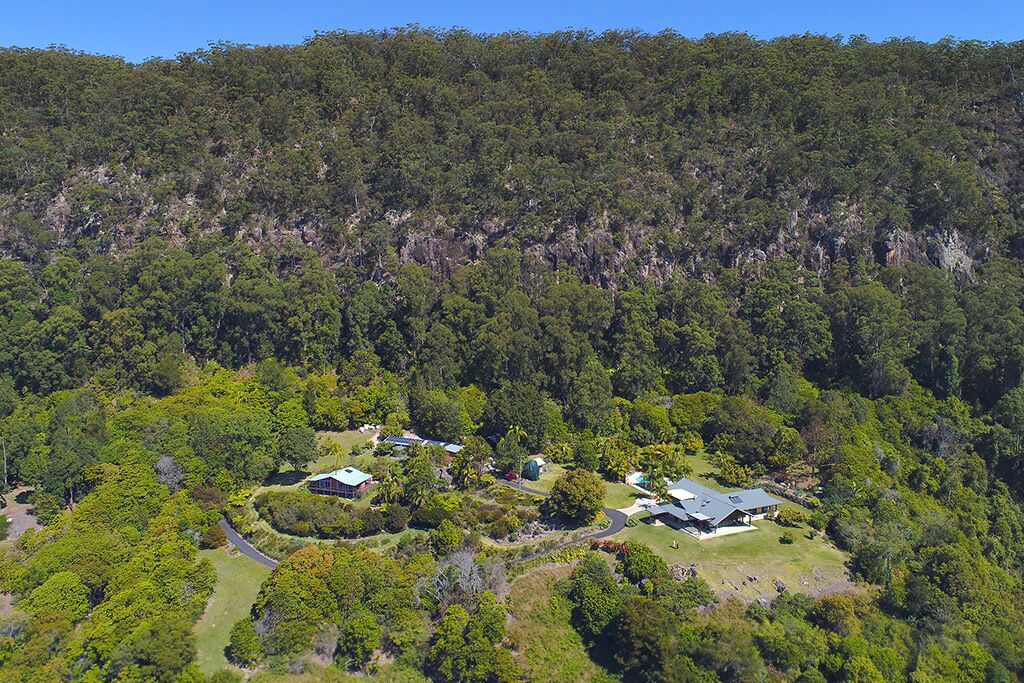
pixel 809 565
pixel 703 471
pixel 346 440
pixel 618 495
pixel 552 471
pixel 238 581
pixel 546 645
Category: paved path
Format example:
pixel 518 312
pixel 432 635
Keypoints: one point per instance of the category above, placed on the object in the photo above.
pixel 20 514
pixel 243 546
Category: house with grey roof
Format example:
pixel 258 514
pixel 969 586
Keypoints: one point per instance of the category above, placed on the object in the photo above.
pixel 704 512
pixel 402 442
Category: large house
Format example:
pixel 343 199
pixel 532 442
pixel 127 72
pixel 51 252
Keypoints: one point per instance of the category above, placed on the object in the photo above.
pixel 401 442
pixel 703 512
pixel 348 482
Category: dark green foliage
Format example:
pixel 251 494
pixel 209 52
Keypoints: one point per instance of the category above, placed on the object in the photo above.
pixel 360 637
pixel 803 249
pixel 639 562
pixel 516 404
pixel 576 496
pixel 245 648
pixel 595 595
pixel 648 649
pixel 159 650
pixel 214 536
pixel 680 596
pixel 467 648
pixel 445 538
pixel 308 514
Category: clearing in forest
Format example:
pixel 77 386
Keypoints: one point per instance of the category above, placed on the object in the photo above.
pixel 238 582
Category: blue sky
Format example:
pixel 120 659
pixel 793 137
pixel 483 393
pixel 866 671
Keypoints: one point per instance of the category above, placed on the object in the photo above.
pixel 138 30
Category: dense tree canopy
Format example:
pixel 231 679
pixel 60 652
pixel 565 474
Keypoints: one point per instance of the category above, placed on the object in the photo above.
pixel 617 250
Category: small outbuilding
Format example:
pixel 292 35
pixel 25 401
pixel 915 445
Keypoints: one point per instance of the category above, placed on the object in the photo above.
pixel 531 470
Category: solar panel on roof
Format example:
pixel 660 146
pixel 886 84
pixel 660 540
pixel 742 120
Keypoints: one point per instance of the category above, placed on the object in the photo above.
pixel 735 499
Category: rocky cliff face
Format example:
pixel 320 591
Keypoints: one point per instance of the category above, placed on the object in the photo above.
pixel 671 156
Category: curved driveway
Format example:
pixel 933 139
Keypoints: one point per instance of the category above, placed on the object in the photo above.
pixel 617 517
pixel 243 546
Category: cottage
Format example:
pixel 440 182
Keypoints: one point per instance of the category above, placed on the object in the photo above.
pixel 348 482
pixel 704 512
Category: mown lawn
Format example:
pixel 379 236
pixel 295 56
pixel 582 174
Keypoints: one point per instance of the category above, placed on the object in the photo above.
pixel 808 565
pixel 345 440
pixel 618 495
pixel 547 479
pixel 547 647
pixel 238 581
pixel 702 471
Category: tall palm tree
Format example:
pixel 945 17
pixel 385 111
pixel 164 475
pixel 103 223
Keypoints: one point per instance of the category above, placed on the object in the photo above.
pixel 517 434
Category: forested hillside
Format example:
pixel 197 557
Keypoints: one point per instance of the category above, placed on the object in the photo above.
pixel 799 258
pixel 620 154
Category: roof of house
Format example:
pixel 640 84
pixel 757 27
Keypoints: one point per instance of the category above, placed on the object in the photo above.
pixel 539 460
pixel 408 441
pixel 346 475
pixel 693 501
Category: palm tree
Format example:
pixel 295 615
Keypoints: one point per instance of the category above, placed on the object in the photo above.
pixel 388 488
pixel 657 485
pixel 517 434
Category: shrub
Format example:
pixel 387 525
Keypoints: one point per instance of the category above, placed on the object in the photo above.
pixel 819 520
pixel 680 596
pixel 445 538
pixel 639 562
pixel 396 518
pixel 373 522
pixel 46 506
pixel 245 647
pixel 429 518
pixel 734 474
pixel 209 498
pixel 360 637
pixel 503 526
pixel 790 517
pixel 306 514
pixel 214 536
pixel 577 496
pixel 786 538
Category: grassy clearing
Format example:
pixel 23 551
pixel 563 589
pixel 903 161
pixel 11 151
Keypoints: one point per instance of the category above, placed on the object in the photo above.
pixel 703 471
pixel 808 565
pixel 346 441
pixel 552 471
pixel 546 645
pixel 238 581
pixel 618 495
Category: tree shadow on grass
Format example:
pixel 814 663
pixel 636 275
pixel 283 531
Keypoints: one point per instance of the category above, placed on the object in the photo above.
pixel 289 478
pixel 22 498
